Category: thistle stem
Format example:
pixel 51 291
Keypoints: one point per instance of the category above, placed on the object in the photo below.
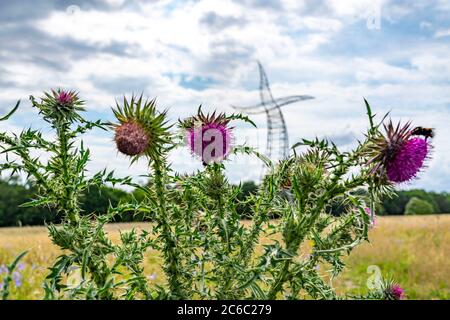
pixel 68 201
pixel 278 284
pixel 169 249
pixel 261 210
pixel 224 288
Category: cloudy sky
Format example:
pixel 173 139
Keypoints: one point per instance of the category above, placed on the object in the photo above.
pixel 186 53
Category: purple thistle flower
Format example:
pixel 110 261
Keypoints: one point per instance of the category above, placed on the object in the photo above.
pixel 21 266
pixel 396 292
pixel 211 141
pixel 408 160
pixel 208 136
pixel 398 156
pixel 64 98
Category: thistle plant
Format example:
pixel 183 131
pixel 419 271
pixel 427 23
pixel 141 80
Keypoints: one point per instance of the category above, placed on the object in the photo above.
pixel 208 250
pixel 61 181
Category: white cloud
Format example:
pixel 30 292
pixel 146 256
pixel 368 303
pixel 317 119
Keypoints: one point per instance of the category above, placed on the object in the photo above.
pixel 426 25
pixel 442 33
pixel 314 23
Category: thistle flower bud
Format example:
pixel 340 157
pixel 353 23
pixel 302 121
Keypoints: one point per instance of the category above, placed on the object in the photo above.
pixel 141 129
pixel 131 139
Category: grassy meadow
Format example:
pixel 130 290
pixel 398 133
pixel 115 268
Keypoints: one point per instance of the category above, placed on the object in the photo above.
pixel 414 250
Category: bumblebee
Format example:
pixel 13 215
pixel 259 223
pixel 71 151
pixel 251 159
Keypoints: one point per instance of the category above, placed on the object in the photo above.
pixel 421 131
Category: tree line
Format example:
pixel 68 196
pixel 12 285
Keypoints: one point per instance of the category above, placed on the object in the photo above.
pixel 13 194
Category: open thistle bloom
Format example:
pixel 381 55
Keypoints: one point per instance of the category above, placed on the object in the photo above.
pixel 408 161
pixel 394 291
pixel 64 98
pixel 208 136
pixel 59 106
pixel 398 155
pixel 141 130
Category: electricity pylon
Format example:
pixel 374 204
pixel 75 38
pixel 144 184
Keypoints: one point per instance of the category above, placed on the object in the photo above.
pixel 277 147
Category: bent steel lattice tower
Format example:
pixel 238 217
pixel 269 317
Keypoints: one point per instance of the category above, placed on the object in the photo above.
pixel 276 125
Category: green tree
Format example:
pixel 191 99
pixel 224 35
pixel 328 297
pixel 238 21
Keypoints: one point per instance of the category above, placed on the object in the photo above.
pixel 442 201
pixel 418 206
pixel 98 199
pixel 12 195
pixel 397 205
pixel 423 195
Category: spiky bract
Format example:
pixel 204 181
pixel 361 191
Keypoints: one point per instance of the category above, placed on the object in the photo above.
pixel 204 119
pixel 141 129
pixel 371 216
pixel 385 147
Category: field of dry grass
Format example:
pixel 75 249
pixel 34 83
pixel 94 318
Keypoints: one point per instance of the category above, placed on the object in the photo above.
pixel 414 250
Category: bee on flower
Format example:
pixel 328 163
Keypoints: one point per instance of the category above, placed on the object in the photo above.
pixel 400 154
